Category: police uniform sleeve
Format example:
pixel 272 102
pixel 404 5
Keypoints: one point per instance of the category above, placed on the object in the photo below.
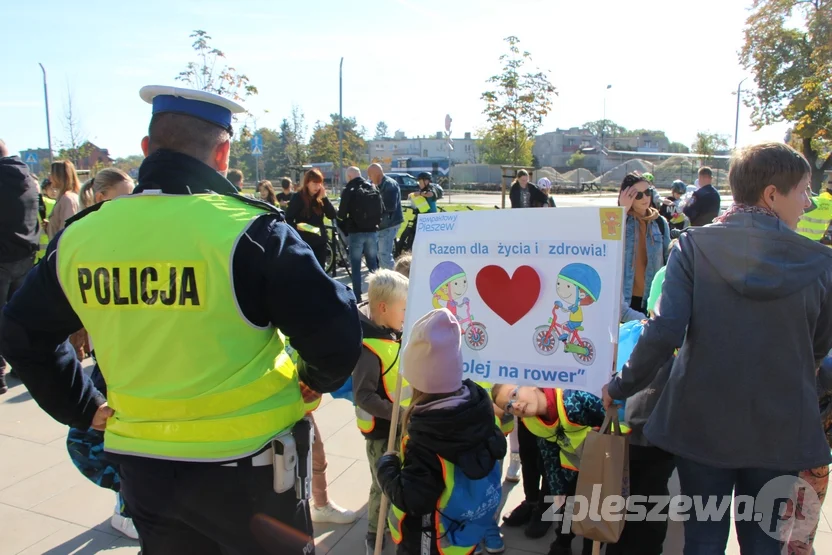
pixel 34 327
pixel 278 281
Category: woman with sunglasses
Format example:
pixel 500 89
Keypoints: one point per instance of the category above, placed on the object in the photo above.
pixel 647 239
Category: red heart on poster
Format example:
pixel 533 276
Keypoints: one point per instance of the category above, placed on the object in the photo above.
pixel 510 297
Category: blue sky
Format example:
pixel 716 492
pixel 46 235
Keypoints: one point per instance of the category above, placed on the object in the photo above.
pixel 672 65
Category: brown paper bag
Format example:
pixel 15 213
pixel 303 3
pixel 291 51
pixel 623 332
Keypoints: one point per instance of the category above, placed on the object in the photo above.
pixel 604 473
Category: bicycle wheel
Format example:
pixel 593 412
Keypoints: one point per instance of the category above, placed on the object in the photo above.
pixel 329 262
pixel 344 255
pixel 476 337
pixel 586 358
pixel 545 342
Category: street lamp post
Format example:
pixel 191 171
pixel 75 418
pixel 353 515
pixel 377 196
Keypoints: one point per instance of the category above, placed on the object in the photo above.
pixel 604 128
pixel 737 124
pixel 340 120
pixel 46 103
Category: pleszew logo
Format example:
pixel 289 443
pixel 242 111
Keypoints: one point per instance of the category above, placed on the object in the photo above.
pixel 439 222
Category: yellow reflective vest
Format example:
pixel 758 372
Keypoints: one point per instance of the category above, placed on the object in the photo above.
pixel 387 352
pixel 44 238
pixel 568 435
pixel 464 511
pixel 419 203
pixel 813 224
pixel 189 377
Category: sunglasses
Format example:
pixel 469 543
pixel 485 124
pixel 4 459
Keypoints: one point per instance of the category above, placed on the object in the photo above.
pixel 648 191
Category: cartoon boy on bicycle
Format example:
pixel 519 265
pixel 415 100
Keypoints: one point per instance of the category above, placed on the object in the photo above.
pixel 578 286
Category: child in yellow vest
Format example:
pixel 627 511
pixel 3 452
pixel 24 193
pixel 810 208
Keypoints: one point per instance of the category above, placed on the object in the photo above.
pixel 444 487
pixel 374 377
pixel 543 411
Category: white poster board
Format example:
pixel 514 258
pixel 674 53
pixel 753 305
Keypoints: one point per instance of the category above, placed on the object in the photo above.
pixel 537 291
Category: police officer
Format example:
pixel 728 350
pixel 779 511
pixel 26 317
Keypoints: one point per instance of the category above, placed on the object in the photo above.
pixel 182 288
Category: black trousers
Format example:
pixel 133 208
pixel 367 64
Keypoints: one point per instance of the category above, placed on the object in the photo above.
pixel 650 470
pixel 182 508
pixel 530 463
pixel 12 275
pixel 321 250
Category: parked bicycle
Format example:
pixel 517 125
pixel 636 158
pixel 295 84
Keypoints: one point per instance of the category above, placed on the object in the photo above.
pixel 338 253
pixel 548 338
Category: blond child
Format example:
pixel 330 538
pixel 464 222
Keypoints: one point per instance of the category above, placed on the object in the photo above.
pixel 374 377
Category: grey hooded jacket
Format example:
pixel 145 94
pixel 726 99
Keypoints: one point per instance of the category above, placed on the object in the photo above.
pixel 755 300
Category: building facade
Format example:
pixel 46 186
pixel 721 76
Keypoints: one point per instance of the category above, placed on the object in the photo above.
pixel 385 151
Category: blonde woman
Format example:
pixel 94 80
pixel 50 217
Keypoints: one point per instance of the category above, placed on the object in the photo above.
pixel 65 181
pixel 107 184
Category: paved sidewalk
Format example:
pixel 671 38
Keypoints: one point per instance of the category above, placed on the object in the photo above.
pixel 48 507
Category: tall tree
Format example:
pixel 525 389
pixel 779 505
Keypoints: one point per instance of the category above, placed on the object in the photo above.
pixel 708 144
pixel 296 143
pixel 76 147
pixel 678 148
pixel 323 145
pixel 605 128
pixel 788 49
pixel 382 133
pixel 520 99
pixel 204 75
pixel 497 146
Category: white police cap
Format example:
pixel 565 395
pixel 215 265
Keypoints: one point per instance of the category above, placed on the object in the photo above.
pixel 199 104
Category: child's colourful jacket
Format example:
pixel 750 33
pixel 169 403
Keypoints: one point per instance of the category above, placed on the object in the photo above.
pixel 581 410
pixel 445 486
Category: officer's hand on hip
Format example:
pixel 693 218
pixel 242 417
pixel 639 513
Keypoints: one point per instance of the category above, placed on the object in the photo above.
pixel 99 421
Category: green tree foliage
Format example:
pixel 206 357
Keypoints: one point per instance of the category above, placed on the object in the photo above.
pixel 678 148
pixel 577 160
pixel 129 163
pixel 382 133
pixel 788 49
pixel 323 145
pixel 519 100
pixel 606 128
pixel 637 132
pixel 708 144
pixel 497 146
pixel 204 74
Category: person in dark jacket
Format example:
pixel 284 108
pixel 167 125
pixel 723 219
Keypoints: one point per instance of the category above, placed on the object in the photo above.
pixel 738 414
pixel 391 218
pixel 524 194
pixel 704 205
pixel 307 210
pixel 363 241
pixel 449 469
pixel 19 230
pixel 213 500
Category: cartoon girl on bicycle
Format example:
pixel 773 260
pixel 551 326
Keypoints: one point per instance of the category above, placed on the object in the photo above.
pixel 449 283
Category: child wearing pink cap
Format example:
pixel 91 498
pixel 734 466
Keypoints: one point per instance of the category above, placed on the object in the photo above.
pixel 450 464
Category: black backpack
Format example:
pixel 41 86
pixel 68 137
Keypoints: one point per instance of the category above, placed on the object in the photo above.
pixel 366 207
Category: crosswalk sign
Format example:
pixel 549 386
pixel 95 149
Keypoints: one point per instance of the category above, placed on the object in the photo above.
pixel 257 145
pixel 32 159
